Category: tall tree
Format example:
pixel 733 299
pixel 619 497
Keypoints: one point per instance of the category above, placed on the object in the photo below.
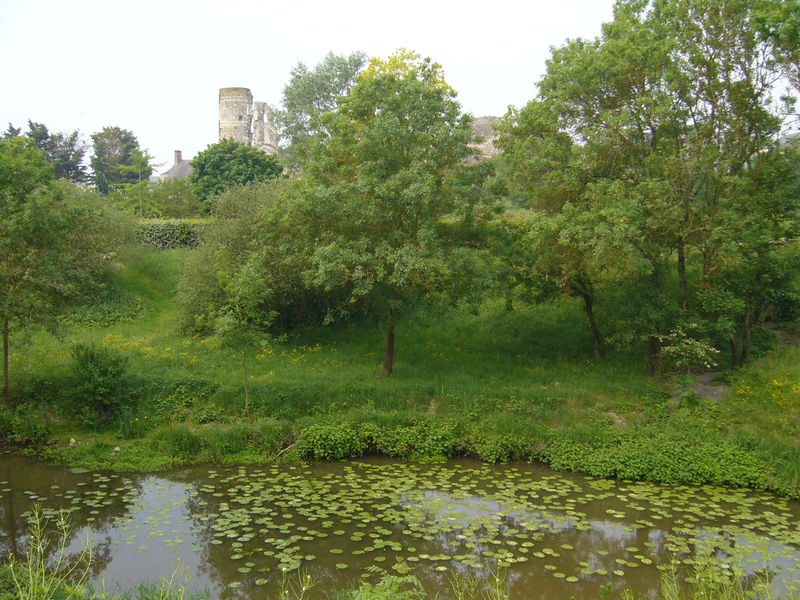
pixel 65 151
pixel 51 241
pixel 118 159
pixel 668 113
pixel 311 93
pixel 387 176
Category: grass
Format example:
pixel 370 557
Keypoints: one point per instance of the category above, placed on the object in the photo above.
pixel 494 383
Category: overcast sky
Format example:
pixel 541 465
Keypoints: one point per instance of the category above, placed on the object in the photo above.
pixel 155 66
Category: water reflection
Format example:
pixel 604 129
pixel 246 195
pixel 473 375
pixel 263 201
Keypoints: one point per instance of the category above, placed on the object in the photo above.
pixel 236 531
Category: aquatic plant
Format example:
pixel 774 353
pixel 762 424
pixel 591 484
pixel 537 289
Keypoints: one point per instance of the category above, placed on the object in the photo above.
pixel 48 571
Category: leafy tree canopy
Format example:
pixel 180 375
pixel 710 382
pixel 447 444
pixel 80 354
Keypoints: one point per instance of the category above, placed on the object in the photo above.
pixel 54 240
pixel 117 159
pixel 229 163
pixel 654 147
pixel 386 179
pixel 311 93
pixel 65 151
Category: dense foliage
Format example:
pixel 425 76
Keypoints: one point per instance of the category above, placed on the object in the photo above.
pixel 174 233
pixel 312 93
pixel 651 161
pixel 652 218
pixel 117 159
pixel 64 150
pixel 172 199
pixel 56 241
pixel 229 163
pixel 374 224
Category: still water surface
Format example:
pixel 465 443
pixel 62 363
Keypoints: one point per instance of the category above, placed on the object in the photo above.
pixel 236 531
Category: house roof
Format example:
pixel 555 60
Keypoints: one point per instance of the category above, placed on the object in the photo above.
pixel 180 170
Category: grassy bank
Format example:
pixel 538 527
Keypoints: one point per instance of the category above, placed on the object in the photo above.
pixel 496 384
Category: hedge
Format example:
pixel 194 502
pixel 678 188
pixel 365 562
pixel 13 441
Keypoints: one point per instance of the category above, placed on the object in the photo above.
pixel 175 233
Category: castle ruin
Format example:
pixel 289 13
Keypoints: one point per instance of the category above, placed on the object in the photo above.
pixel 246 121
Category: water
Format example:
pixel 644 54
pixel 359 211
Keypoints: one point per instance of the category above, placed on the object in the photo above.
pixel 237 531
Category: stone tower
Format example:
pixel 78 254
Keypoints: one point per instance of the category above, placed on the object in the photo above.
pixel 236 114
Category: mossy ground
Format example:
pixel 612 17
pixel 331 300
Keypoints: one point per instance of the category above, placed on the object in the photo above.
pixel 496 383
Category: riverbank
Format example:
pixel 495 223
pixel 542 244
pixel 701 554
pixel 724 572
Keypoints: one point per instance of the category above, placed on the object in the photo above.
pixel 496 384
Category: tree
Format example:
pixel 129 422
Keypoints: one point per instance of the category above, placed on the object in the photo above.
pixel 171 198
pixel 52 241
pixel 65 151
pixel 117 159
pixel 667 117
pixel 312 93
pixel 246 280
pixel 549 172
pixel 388 181
pixel 258 228
pixel 23 170
pixel 229 163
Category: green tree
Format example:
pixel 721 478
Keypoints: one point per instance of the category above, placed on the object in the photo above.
pixel 65 150
pixel 229 163
pixel 549 172
pixel 312 93
pixel 245 282
pixel 665 118
pixel 52 241
pixel 117 159
pixel 258 228
pixel 388 181
pixel 172 198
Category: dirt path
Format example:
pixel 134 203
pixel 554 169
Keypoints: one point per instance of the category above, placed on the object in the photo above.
pixel 705 386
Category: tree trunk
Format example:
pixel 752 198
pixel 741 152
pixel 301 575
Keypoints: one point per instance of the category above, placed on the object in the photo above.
pixel 747 329
pixel 653 355
pixel 596 337
pixel 388 358
pixel 682 285
pixel 6 391
pixel 244 374
pixel 734 351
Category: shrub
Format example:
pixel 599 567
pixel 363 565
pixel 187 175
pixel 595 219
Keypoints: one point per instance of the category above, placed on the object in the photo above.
pixel 24 425
pixel 331 441
pixel 98 387
pixel 498 447
pixel 423 438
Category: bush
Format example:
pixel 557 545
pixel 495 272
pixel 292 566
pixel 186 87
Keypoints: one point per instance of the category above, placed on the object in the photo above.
pixel 498 447
pixel 670 453
pixel 165 235
pixel 24 425
pixel 423 438
pixel 331 441
pixel 99 387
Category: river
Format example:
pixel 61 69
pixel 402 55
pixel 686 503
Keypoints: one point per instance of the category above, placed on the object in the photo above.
pixel 238 531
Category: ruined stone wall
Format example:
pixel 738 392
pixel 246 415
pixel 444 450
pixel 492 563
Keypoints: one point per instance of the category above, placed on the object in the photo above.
pixel 246 121
pixel 265 136
pixel 484 128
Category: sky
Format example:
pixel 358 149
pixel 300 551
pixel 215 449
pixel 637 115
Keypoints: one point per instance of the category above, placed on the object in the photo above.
pixel 155 66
